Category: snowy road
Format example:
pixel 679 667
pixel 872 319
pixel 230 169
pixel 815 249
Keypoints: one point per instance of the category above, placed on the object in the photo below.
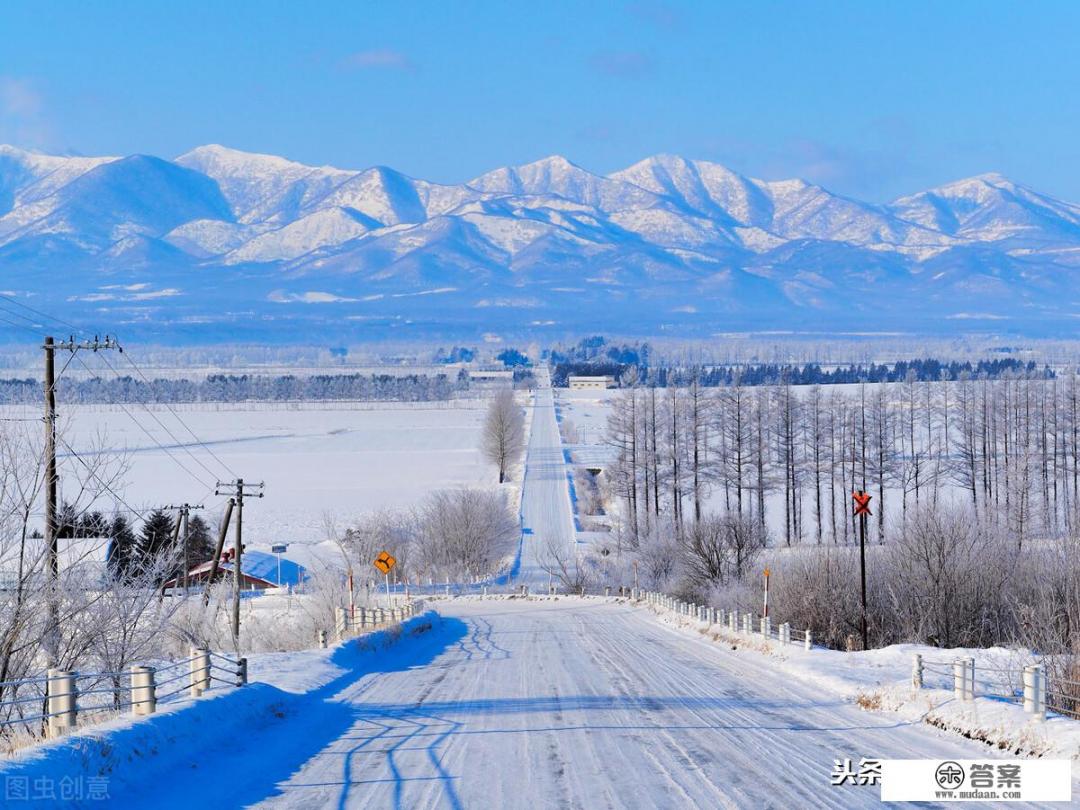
pixel 545 503
pixel 585 704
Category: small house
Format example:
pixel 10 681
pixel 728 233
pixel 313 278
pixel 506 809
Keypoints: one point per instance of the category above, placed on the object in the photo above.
pixel 578 382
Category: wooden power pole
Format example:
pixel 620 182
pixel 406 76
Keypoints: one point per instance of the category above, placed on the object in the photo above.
pixel 52 548
pixel 183 537
pixel 238 490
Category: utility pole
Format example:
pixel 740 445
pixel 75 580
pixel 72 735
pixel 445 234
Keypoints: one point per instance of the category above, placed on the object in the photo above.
pixel 52 551
pixel 182 532
pixel 216 560
pixel 862 511
pixel 239 490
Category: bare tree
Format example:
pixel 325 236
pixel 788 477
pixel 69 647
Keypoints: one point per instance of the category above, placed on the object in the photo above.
pixel 468 532
pixel 503 436
pixel 721 548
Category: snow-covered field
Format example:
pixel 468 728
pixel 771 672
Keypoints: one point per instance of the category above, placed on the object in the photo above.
pixel 341 458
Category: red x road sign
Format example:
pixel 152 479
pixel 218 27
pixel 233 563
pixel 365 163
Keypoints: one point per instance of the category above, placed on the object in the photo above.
pixel 862 502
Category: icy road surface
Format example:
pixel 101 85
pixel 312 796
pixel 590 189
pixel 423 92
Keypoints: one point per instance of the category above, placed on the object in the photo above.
pixel 589 704
pixel 545 504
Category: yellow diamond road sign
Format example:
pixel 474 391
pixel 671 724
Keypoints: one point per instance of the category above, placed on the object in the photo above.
pixel 385 561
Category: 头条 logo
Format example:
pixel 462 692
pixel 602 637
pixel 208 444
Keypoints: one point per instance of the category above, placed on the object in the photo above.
pixel 949 775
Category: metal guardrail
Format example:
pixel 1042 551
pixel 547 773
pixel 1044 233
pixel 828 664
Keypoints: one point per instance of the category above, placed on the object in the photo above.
pixel 66 698
pixel 353 621
pixel 745 623
pixel 1030 686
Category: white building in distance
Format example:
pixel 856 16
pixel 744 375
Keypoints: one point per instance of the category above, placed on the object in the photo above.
pixel 578 382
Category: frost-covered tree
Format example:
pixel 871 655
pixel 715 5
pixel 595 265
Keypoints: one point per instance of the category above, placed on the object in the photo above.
pixel 502 439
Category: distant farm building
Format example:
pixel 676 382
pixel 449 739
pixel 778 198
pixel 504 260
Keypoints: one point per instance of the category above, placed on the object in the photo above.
pixel 491 375
pixel 582 383
pixel 258 571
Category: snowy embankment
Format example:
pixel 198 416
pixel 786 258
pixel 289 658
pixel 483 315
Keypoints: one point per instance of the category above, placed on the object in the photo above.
pixel 880 680
pixel 137 756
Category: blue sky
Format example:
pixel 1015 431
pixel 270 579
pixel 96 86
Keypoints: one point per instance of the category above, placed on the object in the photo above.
pixel 871 99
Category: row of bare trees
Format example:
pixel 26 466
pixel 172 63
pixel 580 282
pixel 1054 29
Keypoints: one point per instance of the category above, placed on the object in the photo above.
pixel 976 509
pixel 790 457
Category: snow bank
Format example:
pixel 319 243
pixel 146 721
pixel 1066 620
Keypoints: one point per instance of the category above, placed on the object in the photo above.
pixel 136 757
pixel 880 680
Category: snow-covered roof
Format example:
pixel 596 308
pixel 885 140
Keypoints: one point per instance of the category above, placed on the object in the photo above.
pixel 260 565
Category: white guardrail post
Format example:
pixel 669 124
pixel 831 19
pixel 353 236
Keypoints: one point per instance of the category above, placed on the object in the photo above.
pixel 200 670
pixel 143 691
pixel 1035 691
pixel 321 637
pixel 964 679
pixel 916 671
pixel 62 702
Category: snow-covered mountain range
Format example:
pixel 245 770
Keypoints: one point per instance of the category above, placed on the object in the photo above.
pixel 219 242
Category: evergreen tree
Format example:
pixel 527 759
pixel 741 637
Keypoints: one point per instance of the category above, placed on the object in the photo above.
pixel 123 549
pixel 67 521
pixel 93 524
pixel 200 543
pixel 156 536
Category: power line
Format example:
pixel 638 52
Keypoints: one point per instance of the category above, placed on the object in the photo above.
pixel 19 325
pixel 165 427
pixel 6 299
pixel 152 438
pixel 100 480
pixel 41 314
pixel 171 410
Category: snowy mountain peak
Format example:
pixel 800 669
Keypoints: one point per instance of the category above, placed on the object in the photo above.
pixel 223 158
pixel 990 207
pixel 667 228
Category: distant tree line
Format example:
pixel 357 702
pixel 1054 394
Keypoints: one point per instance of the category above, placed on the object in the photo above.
pixel 923 370
pixel 512 358
pixel 242 388
pixel 597 350
pixel 457 354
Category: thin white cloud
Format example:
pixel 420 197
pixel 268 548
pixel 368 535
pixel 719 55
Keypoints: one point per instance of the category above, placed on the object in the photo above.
pixel 976 316
pixel 168 292
pixel 309 297
pixel 436 291
pixel 22 114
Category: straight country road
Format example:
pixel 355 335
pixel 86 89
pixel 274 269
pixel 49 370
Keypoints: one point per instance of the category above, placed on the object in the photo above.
pixel 547 520
pixel 587 703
